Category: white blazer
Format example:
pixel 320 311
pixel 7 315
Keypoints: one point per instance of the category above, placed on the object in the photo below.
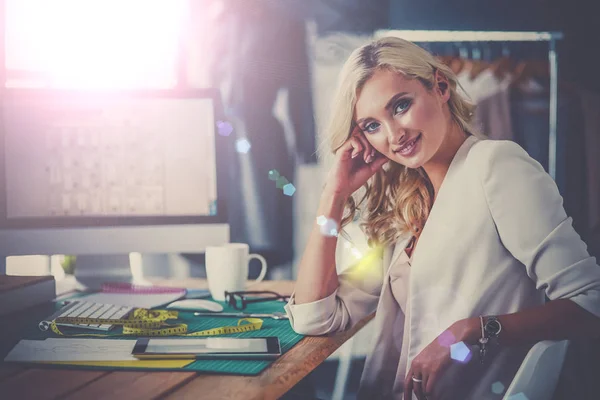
pixel 497 241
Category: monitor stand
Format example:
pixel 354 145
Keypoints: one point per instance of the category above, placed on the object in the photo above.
pixel 92 271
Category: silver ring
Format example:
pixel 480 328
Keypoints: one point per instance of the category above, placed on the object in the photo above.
pixel 417 380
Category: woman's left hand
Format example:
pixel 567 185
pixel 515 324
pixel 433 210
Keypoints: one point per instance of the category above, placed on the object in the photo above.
pixel 431 362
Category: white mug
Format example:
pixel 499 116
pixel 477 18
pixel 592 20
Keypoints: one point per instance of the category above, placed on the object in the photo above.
pixel 227 268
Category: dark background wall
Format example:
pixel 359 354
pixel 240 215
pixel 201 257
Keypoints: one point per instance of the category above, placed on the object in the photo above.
pixel 527 15
pixel 578 57
pixel 577 19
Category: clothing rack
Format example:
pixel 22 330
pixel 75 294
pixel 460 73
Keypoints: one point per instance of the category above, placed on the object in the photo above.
pixel 491 36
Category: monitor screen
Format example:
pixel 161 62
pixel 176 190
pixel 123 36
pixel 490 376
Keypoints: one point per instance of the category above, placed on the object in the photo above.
pixel 99 154
pixel 77 158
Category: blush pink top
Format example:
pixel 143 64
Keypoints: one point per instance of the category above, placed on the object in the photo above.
pixel 399 274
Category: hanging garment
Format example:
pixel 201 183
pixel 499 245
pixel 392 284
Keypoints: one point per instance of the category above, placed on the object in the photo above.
pixel 267 52
pixel 493 114
pixel 492 97
pixel 274 56
pixel 482 86
pixel 530 110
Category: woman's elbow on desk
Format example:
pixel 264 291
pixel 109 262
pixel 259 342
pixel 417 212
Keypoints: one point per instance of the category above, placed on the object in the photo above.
pixel 312 327
pixel 308 330
pixel 316 318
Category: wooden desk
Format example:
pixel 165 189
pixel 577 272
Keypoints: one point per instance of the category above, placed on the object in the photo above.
pixel 39 384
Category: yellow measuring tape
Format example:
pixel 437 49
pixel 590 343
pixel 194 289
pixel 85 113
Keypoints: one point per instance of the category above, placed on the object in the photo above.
pixel 144 322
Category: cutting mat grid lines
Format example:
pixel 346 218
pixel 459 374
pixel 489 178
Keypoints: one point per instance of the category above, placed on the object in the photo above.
pixel 271 327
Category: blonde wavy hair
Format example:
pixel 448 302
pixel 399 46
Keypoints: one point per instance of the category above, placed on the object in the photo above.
pixel 397 199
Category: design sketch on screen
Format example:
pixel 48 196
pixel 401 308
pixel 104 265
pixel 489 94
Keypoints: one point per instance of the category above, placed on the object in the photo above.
pixel 110 157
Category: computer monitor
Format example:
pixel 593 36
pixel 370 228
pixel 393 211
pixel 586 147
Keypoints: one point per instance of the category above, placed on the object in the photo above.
pixel 107 173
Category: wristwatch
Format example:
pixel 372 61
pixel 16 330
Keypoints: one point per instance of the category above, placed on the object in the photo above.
pixel 492 327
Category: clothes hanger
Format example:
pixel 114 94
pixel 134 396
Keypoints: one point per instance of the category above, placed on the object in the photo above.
pixel 537 70
pixel 479 65
pixel 457 64
pixel 462 62
pixel 502 66
pixel 446 59
pixel 452 59
pixel 486 51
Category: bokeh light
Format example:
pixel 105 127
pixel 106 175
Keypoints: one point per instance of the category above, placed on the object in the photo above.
pixel 356 253
pixel 281 182
pixel 446 339
pixel 289 189
pixel 224 128
pixel 273 174
pixel 369 266
pixel 460 352
pixel 329 228
pixel 497 387
pixel 242 146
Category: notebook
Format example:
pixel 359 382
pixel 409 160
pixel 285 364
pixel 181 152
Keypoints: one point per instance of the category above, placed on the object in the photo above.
pixel 20 292
pixel 121 287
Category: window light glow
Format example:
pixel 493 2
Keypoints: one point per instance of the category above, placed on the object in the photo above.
pixel 95 43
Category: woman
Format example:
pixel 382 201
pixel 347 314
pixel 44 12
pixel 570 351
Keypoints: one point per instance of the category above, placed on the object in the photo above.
pixel 469 238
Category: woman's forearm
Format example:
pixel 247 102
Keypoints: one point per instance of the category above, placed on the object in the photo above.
pixel 556 320
pixel 317 275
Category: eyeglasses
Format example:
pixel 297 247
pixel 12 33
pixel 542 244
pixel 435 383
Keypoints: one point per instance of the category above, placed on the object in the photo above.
pixel 239 300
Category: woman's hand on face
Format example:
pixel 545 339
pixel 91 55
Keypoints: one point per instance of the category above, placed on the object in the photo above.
pixel 355 162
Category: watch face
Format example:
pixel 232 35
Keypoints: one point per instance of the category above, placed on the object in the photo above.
pixel 492 327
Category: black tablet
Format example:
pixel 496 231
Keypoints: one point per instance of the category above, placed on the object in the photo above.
pixel 208 347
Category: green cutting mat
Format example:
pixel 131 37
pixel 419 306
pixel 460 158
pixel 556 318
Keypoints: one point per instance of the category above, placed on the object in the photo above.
pixel 271 327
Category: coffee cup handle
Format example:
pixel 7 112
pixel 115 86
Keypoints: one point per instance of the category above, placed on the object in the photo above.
pixel 263 270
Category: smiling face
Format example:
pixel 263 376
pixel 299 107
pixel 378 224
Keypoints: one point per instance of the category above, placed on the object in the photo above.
pixel 402 119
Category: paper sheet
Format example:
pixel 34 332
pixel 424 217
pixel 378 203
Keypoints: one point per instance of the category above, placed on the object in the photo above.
pixel 156 364
pixel 133 300
pixel 72 350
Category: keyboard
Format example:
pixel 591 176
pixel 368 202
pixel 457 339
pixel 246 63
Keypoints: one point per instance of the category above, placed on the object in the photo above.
pixel 85 309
